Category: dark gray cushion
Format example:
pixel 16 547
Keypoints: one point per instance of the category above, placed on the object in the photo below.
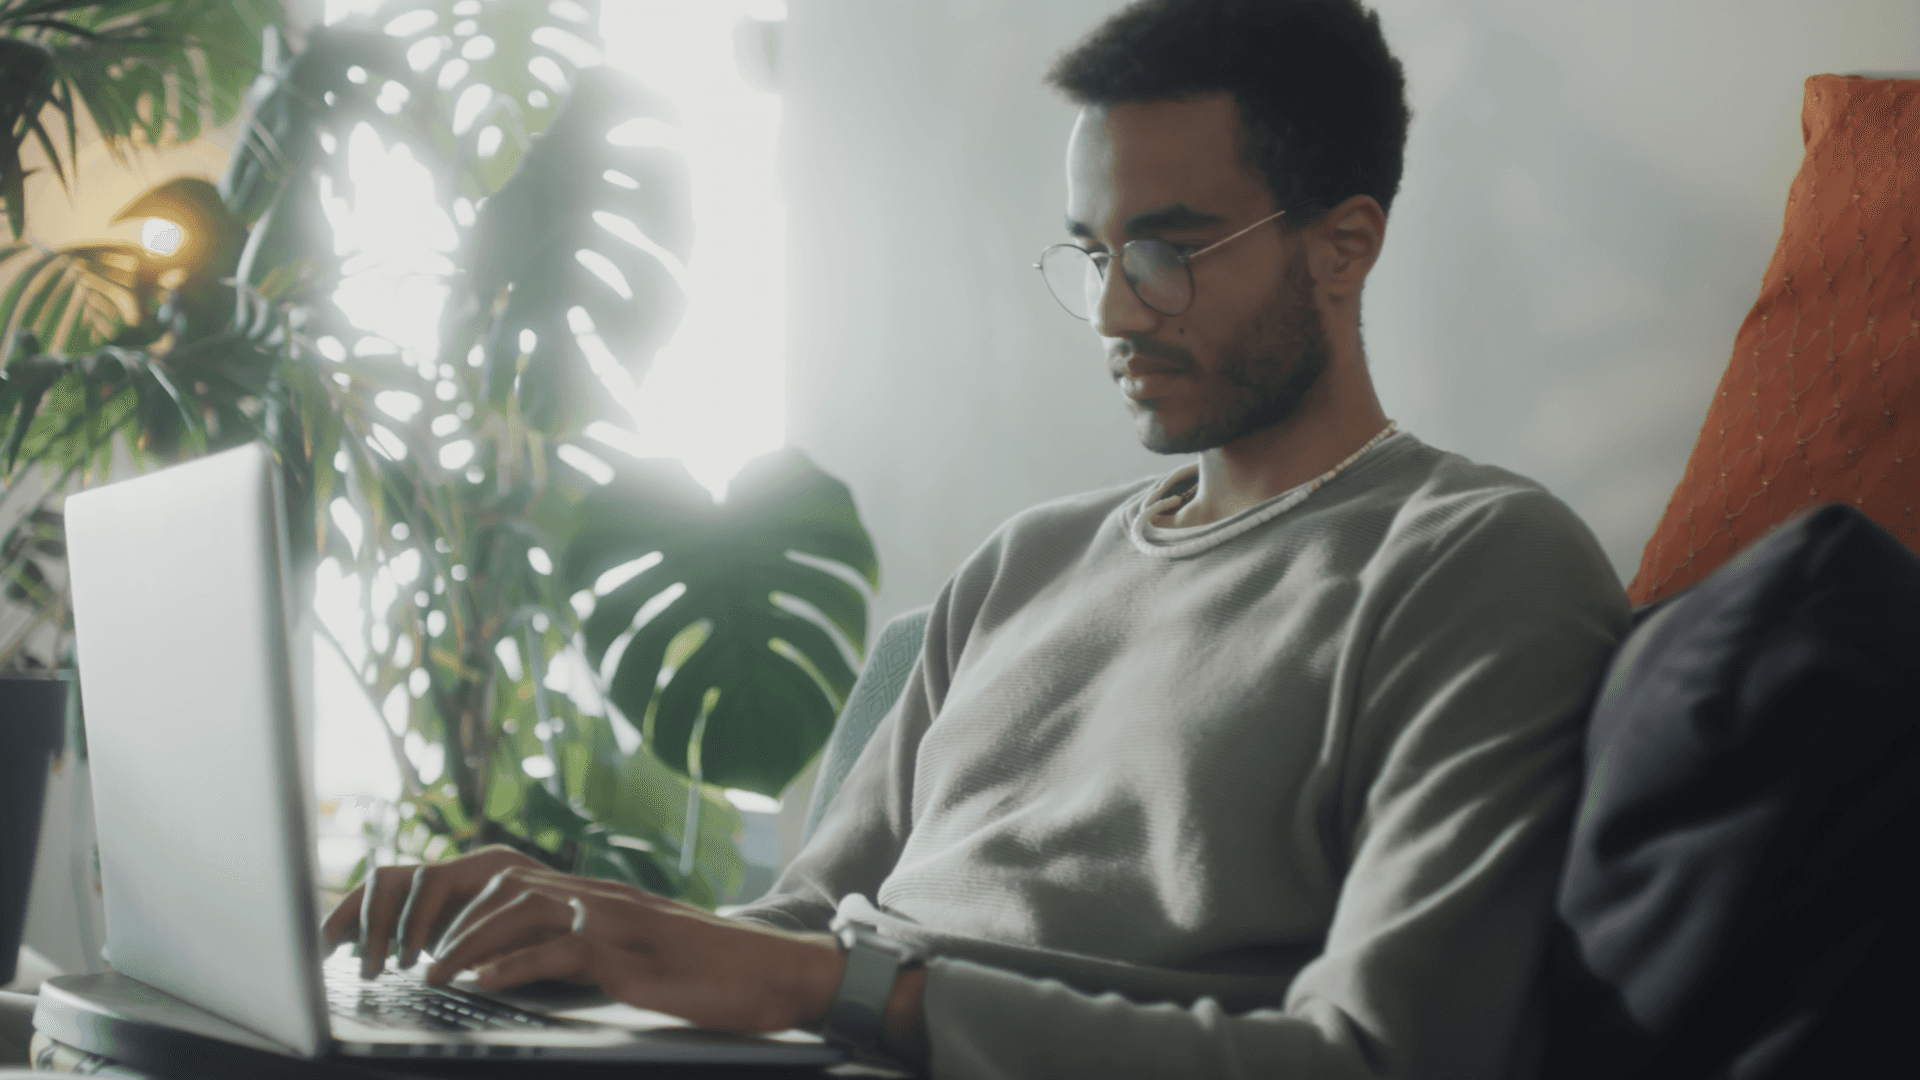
pixel 1740 870
pixel 873 693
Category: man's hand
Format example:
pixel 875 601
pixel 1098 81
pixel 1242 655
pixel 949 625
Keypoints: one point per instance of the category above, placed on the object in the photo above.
pixel 416 904
pixel 513 921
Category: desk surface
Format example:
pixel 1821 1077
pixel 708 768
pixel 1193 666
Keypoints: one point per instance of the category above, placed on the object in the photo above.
pixel 115 1018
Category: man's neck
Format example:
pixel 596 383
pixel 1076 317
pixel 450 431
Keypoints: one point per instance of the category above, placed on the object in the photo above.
pixel 1337 419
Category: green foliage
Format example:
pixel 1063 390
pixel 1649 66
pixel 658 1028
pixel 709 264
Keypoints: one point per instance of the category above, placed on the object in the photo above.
pixel 139 68
pixel 762 678
pixel 451 463
pixel 524 275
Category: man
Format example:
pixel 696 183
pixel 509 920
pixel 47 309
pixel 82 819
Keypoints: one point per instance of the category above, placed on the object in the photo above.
pixel 1263 767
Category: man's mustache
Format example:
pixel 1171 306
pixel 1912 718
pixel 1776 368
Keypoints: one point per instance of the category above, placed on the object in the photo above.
pixel 1140 355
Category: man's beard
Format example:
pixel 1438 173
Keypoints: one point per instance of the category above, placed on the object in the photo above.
pixel 1271 369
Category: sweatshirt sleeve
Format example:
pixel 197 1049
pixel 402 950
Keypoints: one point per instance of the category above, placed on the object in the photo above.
pixel 1473 663
pixel 864 827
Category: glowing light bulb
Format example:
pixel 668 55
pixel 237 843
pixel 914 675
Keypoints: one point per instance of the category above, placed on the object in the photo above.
pixel 160 236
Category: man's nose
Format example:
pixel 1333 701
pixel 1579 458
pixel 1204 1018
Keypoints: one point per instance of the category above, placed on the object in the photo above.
pixel 1120 312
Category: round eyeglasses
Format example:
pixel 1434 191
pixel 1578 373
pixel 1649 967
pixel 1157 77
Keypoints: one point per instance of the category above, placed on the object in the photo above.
pixel 1156 270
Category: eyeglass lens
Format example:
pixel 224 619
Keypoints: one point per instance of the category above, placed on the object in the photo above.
pixel 1153 267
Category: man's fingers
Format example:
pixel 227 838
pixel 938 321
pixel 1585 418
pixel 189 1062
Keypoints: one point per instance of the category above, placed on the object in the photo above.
pixel 499 889
pixel 415 916
pixel 569 956
pixel 380 915
pixel 343 921
pixel 525 919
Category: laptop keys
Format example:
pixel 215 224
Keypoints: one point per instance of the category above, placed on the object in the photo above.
pixel 398 1001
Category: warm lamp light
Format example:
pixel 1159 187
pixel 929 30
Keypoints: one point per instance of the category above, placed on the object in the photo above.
pixel 160 236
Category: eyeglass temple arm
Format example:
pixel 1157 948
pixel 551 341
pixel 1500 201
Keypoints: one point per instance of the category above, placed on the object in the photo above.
pixel 1235 236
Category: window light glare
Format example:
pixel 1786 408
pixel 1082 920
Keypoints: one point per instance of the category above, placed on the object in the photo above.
pixel 645 131
pixel 455 455
pixel 576 51
pixel 387 443
pixel 466 7
pixel 467 109
pixel 356 74
pixel 489 142
pixel 398 404
pixel 465 27
pixel 568 10
pixel 479 48
pixel 537 98
pixel 412 23
pixel 620 179
pixel 528 341
pixel 541 562
pixel 160 236
pixel 596 470
pixel 392 97
pixel 544 69
pixel 752 801
pixel 451 75
pixel 603 268
pixel 421 54
pixel 618 576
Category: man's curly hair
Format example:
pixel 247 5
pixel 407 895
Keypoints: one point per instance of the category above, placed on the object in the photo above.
pixel 1322 101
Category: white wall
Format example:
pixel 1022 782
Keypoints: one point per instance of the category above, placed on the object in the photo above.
pixel 1592 192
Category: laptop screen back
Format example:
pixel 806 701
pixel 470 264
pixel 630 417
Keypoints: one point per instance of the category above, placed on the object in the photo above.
pixel 200 795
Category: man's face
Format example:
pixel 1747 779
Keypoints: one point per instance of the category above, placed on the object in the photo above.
pixel 1250 348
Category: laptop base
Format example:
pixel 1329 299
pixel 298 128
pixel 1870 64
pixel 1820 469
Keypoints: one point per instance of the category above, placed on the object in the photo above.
pixel 135 1025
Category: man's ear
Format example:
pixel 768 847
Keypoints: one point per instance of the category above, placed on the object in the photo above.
pixel 1348 245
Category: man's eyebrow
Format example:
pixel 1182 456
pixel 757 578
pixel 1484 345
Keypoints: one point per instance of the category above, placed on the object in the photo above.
pixel 1170 219
pixel 1165 219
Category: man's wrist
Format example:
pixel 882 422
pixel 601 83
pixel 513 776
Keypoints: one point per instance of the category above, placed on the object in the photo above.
pixel 819 977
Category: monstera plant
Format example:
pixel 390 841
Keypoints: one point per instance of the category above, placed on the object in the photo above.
pixel 497 578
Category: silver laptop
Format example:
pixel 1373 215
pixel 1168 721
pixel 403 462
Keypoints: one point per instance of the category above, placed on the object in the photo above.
pixel 188 636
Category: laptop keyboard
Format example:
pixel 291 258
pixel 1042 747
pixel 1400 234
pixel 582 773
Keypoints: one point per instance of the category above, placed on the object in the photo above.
pixel 401 1001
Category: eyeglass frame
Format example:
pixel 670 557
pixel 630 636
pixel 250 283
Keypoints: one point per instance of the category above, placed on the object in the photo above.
pixel 1184 259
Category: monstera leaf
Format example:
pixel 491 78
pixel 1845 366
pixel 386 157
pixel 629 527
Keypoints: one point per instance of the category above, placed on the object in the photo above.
pixel 506 67
pixel 550 241
pixel 145 68
pixel 756 696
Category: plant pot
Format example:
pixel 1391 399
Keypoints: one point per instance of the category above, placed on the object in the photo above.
pixel 33 713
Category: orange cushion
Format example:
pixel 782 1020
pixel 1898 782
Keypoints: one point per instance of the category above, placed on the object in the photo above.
pixel 1819 403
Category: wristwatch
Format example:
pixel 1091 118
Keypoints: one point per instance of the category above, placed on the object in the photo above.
pixel 853 1020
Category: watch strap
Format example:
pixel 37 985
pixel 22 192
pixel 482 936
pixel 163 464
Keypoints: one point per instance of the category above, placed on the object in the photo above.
pixel 860 1003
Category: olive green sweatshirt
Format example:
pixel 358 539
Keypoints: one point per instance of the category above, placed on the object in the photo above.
pixel 1284 795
